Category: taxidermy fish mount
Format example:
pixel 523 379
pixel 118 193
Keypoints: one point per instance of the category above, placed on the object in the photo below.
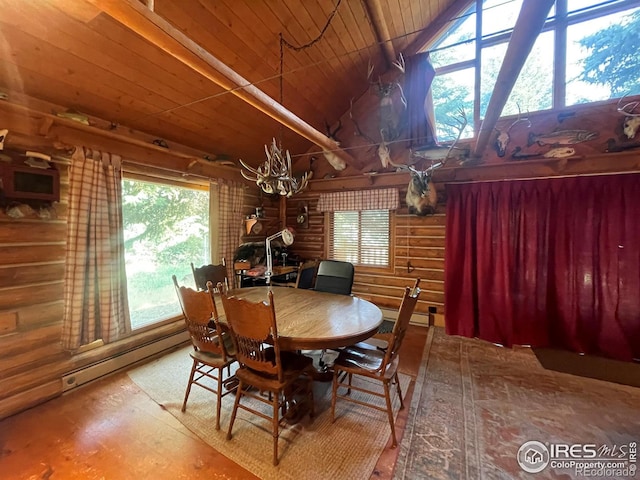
pixel 561 137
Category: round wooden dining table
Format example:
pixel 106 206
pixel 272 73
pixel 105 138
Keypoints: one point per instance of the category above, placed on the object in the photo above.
pixel 310 320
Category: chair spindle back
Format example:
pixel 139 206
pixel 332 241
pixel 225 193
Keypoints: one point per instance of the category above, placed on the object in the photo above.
pixel 254 331
pixel 407 307
pixel 200 311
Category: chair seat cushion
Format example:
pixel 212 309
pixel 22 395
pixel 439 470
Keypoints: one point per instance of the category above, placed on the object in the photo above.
pixel 293 364
pixel 373 342
pixel 227 339
pixel 366 359
pixel 360 356
pixel 209 358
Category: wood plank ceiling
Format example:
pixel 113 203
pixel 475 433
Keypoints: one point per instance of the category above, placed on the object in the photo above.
pixel 73 54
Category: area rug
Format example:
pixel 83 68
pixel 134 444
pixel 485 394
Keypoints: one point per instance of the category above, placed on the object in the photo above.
pixel 346 449
pixel 475 404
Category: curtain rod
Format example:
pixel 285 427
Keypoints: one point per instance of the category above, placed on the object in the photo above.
pixel 464 182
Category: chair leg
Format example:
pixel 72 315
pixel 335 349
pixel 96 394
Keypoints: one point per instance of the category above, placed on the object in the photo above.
pixel 334 393
pixel 397 380
pixel 239 393
pixel 275 422
pixel 186 395
pixel 219 398
pixel 387 397
pixel 312 409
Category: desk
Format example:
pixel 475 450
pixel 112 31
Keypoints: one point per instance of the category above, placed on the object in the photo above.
pixel 279 274
pixel 310 320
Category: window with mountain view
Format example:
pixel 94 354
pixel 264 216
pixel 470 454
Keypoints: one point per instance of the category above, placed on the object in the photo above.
pixel 596 43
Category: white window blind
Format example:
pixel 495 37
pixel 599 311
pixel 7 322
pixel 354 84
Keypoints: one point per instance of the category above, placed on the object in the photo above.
pixel 360 237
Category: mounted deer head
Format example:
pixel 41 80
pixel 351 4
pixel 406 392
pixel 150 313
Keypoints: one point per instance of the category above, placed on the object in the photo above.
pixel 336 162
pixel 383 150
pixel 422 197
pixel 631 118
pixel 390 112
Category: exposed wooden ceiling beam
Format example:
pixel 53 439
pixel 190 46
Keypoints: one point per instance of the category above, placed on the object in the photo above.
pixel 533 14
pixel 153 28
pixel 381 30
pixel 437 27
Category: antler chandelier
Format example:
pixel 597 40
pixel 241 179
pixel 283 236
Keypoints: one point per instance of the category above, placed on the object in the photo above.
pixel 274 175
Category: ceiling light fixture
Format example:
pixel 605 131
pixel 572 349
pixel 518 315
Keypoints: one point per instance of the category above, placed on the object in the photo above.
pixel 274 175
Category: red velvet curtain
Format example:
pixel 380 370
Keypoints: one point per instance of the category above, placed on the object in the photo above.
pixel 550 262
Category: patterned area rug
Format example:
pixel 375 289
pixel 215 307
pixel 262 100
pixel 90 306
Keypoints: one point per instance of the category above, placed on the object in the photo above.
pixel 476 404
pixel 346 449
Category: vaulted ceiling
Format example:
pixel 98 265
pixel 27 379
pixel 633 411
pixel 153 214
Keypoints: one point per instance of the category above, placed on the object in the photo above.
pixel 206 73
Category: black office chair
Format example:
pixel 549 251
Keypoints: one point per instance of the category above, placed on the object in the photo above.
pixel 334 276
pixel 306 278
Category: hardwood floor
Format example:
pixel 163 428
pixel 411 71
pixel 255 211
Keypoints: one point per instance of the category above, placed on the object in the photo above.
pixel 112 430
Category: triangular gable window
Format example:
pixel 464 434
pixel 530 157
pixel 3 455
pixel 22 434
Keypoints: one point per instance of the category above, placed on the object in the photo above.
pixel 581 56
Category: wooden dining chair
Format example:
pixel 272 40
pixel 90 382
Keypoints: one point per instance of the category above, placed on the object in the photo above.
pixel 334 276
pixel 263 365
pixel 213 348
pixel 210 273
pixel 375 364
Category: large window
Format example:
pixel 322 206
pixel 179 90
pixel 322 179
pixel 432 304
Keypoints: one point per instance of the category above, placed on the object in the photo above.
pixel 360 237
pixel 166 227
pixel 588 51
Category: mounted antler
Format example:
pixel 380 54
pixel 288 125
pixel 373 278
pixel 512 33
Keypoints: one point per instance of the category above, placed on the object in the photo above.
pixel 503 138
pixel 399 63
pixel 274 175
pixel 632 119
pixel 335 161
pixel 462 124
pixel 332 135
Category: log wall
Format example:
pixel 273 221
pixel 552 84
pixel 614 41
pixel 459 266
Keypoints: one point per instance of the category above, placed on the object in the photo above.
pixel 32 251
pixel 418 252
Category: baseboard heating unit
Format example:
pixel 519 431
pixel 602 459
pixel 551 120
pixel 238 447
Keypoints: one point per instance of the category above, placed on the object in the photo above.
pixel 125 359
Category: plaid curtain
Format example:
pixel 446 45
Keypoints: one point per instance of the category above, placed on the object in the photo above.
pixel 95 287
pixel 381 199
pixel 230 204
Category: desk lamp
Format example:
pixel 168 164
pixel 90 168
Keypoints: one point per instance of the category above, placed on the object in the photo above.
pixel 287 239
